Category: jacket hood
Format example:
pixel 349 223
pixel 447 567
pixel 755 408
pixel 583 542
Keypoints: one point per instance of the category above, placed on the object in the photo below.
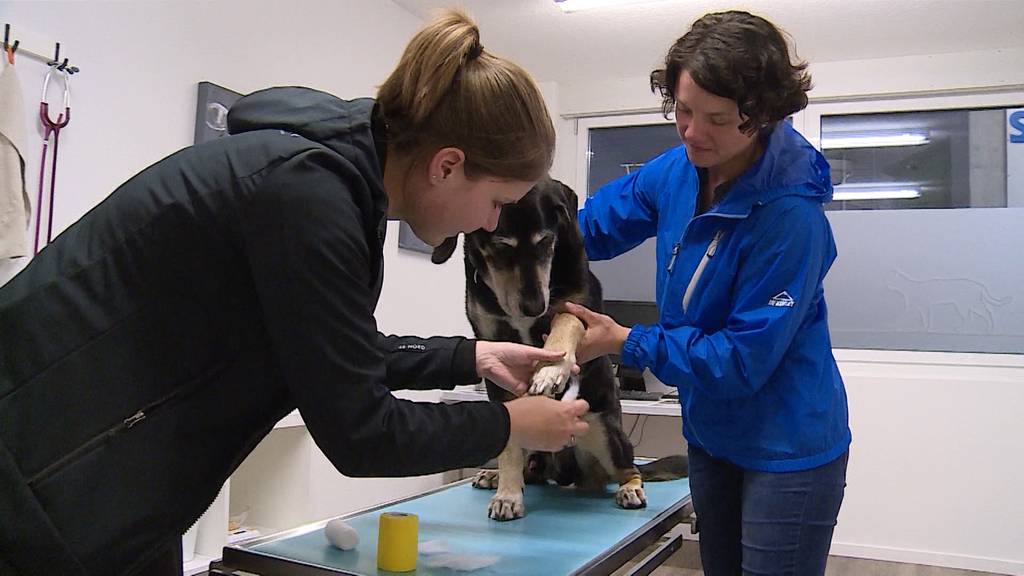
pixel 344 126
pixel 789 166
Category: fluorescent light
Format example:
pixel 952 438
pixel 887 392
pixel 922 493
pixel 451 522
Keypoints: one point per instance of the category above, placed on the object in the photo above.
pixel 875 191
pixel 577 5
pixel 869 140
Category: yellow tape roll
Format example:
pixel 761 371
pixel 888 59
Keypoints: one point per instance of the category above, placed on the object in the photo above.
pixel 397 542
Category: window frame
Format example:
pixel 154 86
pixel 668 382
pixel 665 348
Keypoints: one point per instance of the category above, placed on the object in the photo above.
pixel 583 127
pixel 811 123
pixel 808 121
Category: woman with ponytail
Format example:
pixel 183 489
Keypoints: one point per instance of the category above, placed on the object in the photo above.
pixel 171 327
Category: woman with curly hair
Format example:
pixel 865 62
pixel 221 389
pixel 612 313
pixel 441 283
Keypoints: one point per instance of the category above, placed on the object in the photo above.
pixel 743 247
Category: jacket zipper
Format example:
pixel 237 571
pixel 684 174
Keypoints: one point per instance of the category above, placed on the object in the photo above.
pixel 125 424
pixel 118 428
pixel 672 261
pixel 708 254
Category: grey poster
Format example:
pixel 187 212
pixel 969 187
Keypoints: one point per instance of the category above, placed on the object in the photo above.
pixel 212 111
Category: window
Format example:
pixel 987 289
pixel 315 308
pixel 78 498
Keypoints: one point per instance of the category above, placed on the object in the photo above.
pixel 920 159
pixel 937 270
pixel 618 150
pixel 610 147
pixel 927 221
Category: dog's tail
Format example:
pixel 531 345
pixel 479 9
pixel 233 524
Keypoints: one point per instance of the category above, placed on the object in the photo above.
pixel 667 468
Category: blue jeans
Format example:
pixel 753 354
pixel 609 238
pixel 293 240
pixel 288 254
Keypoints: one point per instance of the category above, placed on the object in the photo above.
pixel 764 522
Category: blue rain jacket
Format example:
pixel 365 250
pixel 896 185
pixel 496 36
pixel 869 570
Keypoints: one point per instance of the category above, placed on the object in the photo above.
pixel 743 331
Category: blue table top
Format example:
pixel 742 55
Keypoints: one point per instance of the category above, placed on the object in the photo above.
pixel 563 530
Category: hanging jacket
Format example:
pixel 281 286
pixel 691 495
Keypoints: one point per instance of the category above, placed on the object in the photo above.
pixel 148 350
pixel 743 329
pixel 15 206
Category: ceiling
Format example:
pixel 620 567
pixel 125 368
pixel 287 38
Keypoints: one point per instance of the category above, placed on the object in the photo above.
pixel 629 41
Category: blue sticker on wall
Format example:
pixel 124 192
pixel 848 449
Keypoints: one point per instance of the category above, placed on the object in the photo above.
pixel 1017 123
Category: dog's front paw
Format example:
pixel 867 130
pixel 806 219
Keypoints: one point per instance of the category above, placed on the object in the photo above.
pixel 506 506
pixel 486 479
pixel 550 380
pixel 630 496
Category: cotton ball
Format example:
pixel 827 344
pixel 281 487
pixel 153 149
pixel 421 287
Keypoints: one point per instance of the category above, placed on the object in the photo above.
pixel 341 535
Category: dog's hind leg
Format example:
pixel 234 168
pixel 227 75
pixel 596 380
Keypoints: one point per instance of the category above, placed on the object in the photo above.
pixel 507 503
pixel 486 479
pixel 609 445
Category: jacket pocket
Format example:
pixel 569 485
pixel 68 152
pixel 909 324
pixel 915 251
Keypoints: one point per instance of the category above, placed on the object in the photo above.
pixel 121 427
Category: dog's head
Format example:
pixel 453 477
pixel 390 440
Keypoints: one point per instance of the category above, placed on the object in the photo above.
pixel 514 261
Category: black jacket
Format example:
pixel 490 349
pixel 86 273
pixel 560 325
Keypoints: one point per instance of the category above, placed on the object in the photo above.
pixel 147 350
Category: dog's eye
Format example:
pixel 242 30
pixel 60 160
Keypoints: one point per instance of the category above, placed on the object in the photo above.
pixel 502 249
pixel 546 243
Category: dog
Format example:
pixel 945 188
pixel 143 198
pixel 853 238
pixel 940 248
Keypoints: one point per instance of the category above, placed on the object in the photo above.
pixel 517 281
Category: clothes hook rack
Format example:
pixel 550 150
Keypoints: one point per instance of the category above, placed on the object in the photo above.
pixel 56 61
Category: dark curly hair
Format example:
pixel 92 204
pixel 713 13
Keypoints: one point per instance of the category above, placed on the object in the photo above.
pixel 742 57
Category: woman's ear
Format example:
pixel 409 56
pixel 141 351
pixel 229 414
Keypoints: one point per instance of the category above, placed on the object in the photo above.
pixel 444 251
pixel 445 163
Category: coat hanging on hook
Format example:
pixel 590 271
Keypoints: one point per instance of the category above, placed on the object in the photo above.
pixel 15 206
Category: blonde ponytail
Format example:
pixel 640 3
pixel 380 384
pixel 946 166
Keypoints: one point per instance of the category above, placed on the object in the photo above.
pixel 428 67
pixel 448 91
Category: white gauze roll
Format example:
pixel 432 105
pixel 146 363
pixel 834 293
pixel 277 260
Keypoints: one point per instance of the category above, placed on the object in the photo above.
pixel 341 535
pixel 573 391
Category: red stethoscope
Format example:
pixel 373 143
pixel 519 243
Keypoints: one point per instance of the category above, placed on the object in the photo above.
pixel 50 127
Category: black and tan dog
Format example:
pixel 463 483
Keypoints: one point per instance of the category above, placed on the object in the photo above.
pixel 517 280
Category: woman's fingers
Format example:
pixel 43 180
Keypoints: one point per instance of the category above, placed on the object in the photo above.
pixel 583 313
pixel 541 423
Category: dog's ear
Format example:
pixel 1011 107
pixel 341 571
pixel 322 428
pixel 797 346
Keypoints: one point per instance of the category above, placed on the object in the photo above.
pixel 442 253
pixel 569 202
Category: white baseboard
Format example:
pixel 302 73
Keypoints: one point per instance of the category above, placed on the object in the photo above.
pixel 925 558
pixel 929 558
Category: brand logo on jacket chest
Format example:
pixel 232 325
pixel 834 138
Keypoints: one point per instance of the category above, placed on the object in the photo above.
pixel 782 300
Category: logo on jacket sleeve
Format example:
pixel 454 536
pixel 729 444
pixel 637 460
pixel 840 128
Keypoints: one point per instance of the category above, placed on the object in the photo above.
pixel 416 347
pixel 782 300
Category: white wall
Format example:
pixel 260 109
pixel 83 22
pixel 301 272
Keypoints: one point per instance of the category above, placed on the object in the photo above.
pixel 932 472
pixel 853 79
pixel 934 466
pixel 134 100
pixel 931 476
pixel 134 103
pixel 927 440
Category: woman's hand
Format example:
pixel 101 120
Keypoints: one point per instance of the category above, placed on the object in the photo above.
pixel 542 423
pixel 511 365
pixel 603 335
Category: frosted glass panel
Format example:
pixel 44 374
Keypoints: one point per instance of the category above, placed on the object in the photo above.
pixel 947 275
pixel 941 280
